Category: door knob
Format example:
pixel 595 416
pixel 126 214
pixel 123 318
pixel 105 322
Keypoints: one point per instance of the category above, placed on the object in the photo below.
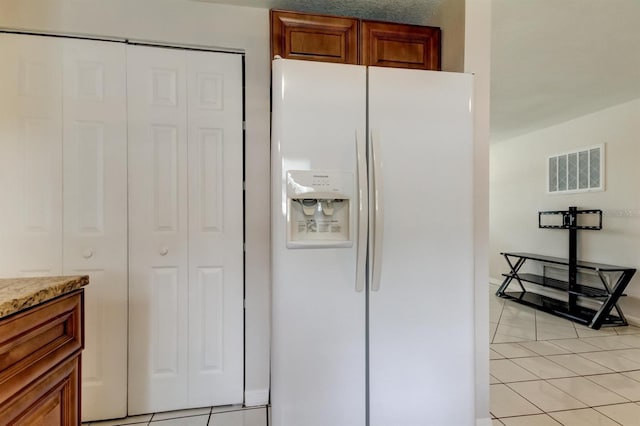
pixel 163 251
pixel 87 253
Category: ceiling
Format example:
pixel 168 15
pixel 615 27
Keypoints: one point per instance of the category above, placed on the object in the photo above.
pixel 555 60
pixel 406 11
pixel 551 60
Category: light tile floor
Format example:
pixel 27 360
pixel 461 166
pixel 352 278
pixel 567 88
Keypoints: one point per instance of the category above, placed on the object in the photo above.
pixel 548 371
pixel 545 371
pixel 211 416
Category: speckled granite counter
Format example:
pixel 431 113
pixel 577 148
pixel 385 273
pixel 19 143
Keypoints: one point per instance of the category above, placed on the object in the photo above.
pixel 17 294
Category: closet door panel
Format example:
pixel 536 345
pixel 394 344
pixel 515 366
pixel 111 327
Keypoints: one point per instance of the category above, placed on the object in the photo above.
pixel 95 214
pixel 31 161
pixel 215 229
pixel 158 275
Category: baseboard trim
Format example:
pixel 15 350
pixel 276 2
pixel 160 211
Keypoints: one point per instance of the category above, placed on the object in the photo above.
pixel 256 397
pixel 484 422
pixel 495 281
pixel 632 320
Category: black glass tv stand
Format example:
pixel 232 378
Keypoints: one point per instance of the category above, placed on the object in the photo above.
pixel 604 293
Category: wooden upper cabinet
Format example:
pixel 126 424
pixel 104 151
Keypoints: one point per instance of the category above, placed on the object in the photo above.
pixel 314 37
pixel 386 44
pixel 348 40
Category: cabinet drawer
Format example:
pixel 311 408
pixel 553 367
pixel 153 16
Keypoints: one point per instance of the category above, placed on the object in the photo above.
pixel 35 340
pixel 52 400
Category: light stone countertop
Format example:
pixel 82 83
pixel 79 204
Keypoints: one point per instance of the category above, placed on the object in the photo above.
pixel 17 294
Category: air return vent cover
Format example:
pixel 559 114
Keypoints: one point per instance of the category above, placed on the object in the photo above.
pixel 576 171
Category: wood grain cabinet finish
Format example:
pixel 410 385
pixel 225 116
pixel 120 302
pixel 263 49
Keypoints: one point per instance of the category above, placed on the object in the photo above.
pixel 314 37
pixel 40 363
pixel 399 46
pixel 349 40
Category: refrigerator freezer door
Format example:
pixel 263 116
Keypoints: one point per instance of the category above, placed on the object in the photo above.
pixel 318 317
pixel 419 374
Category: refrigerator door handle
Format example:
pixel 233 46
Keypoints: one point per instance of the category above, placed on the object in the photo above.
pixel 378 213
pixel 363 209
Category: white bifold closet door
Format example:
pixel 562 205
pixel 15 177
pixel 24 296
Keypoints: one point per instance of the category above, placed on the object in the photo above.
pixel 95 214
pixel 185 229
pixel 63 185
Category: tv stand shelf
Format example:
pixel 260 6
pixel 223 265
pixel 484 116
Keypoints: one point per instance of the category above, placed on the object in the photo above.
pixel 607 295
pixel 579 290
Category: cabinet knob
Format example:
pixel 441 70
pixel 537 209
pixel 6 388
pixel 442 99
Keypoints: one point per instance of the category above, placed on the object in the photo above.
pixel 87 253
pixel 163 251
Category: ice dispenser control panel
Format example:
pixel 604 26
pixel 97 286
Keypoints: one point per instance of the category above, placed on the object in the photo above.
pixel 319 204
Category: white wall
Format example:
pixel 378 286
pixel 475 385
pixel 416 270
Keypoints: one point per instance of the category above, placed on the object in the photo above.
pixel 450 17
pixel 213 25
pixel 518 192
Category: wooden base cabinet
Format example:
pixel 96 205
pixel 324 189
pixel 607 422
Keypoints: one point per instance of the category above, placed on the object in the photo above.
pixel 40 364
pixel 53 400
pixel 349 40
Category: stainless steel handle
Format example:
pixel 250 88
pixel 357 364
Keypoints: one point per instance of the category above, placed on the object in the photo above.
pixel 363 212
pixel 378 212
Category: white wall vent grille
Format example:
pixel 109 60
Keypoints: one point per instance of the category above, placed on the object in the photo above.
pixel 576 171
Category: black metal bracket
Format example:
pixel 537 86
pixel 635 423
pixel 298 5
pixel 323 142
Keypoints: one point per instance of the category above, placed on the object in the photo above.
pixel 570 219
pixel 570 222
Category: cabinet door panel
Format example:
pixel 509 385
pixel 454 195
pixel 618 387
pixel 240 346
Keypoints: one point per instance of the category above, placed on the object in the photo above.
pixel 400 46
pixel 31 160
pixel 95 214
pixel 51 400
pixel 158 275
pixel 215 229
pixel 36 339
pixel 314 37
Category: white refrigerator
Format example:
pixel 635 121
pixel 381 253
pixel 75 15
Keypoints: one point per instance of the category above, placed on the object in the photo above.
pixel 372 246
